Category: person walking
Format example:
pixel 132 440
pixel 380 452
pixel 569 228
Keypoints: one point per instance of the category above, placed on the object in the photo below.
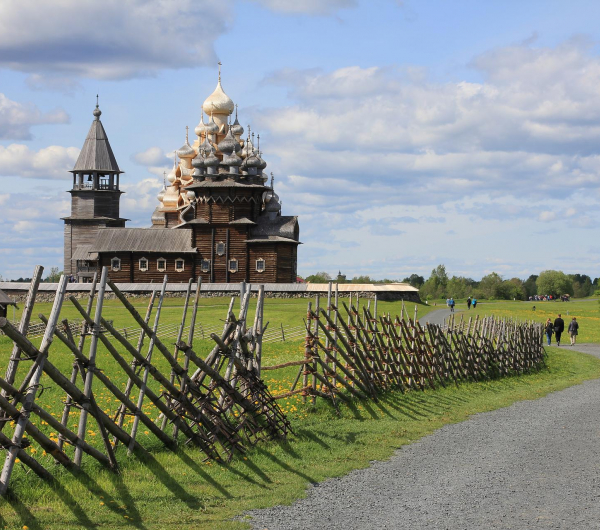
pixel 474 303
pixel 559 327
pixel 549 330
pixel 573 331
pixel 451 305
pixel 469 303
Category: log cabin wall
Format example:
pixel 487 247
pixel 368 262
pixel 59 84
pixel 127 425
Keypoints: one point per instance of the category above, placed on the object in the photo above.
pixel 130 267
pixel 286 263
pixel 267 252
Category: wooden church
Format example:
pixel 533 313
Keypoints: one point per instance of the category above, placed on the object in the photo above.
pixel 217 216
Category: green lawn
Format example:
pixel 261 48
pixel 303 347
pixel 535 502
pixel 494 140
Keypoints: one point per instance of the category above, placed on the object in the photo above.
pixel 586 311
pixel 181 491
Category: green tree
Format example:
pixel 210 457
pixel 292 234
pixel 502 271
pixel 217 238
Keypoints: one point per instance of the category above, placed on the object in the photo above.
pixel 490 286
pixel 319 277
pixel 530 285
pixel 513 289
pixel 436 285
pixel 415 280
pixel 54 275
pixel 361 279
pixel 555 283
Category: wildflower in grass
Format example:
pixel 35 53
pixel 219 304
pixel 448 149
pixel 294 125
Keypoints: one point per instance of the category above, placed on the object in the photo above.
pixel 17 460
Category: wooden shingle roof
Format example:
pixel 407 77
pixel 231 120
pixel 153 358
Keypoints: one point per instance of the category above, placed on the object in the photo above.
pixel 162 240
pixel 5 300
pixel 96 154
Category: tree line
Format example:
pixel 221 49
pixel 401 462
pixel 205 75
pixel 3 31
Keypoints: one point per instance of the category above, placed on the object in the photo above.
pixel 491 287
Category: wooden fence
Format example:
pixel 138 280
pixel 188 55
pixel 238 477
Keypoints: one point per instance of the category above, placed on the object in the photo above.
pixel 353 353
pixel 219 403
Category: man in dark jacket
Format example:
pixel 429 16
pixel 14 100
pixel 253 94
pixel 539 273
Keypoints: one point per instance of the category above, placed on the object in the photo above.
pixel 559 327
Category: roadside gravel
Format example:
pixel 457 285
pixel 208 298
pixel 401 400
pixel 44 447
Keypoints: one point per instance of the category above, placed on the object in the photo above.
pixel 535 464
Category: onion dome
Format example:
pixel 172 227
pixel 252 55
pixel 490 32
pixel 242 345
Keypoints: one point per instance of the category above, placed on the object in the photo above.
pixel 218 102
pixel 272 202
pixel 262 164
pixel 186 150
pixel 201 127
pixel 211 160
pixel 172 176
pixel 198 162
pixel 232 160
pixel 161 194
pixel 227 144
pixel 236 128
pixel 211 127
pixel 190 195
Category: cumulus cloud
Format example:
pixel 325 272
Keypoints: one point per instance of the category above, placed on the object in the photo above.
pixel 375 134
pixel 53 162
pixel 111 39
pixel 153 156
pixel 306 7
pixel 16 119
pixel 140 199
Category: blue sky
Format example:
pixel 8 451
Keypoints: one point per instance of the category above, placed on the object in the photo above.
pixel 404 134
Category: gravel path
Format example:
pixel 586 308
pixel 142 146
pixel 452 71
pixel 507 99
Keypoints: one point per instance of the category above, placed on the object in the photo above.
pixel 535 464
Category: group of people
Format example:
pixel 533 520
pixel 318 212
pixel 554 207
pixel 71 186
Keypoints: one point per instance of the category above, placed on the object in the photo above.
pixel 557 327
pixel 470 302
pixel 548 298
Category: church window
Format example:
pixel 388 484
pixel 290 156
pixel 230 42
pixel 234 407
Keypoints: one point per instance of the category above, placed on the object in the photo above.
pixel 205 265
pixel 233 265
pixel 179 265
pixel 260 265
pixel 220 248
pixel 115 264
pixel 143 264
pixel 161 264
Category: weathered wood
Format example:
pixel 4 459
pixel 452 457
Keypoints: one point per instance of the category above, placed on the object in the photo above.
pixel 33 388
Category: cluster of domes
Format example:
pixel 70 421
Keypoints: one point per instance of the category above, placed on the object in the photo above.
pixel 219 151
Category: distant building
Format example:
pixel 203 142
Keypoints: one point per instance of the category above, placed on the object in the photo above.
pixel 217 217
pixel 5 301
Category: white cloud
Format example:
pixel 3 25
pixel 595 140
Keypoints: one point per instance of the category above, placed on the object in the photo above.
pixel 547 216
pixel 306 7
pixel 53 162
pixel 16 119
pixel 110 39
pixel 153 156
pixel 140 199
pixel 360 151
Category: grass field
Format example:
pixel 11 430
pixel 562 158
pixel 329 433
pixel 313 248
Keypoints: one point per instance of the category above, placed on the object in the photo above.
pixel 181 491
pixel 587 312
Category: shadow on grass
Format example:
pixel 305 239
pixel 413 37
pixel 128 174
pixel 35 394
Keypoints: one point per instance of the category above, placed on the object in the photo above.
pixel 194 466
pixel 109 500
pixel 285 466
pixel 27 518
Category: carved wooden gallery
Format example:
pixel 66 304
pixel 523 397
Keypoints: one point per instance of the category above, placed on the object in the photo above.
pixel 217 217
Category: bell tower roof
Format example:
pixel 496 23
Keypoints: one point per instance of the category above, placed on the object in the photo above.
pixel 96 154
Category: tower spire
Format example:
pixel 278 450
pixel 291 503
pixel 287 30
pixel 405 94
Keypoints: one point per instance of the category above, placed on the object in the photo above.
pixel 220 64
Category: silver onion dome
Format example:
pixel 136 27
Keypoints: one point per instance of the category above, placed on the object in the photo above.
pixel 211 126
pixel 227 144
pixel 201 127
pixel 186 151
pixel 211 160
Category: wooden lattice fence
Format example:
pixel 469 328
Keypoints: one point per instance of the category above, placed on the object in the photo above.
pixel 219 403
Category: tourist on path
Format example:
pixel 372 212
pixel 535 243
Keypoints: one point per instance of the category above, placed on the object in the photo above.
pixel 451 303
pixel 469 303
pixel 573 330
pixel 474 303
pixel 549 330
pixel 559 327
